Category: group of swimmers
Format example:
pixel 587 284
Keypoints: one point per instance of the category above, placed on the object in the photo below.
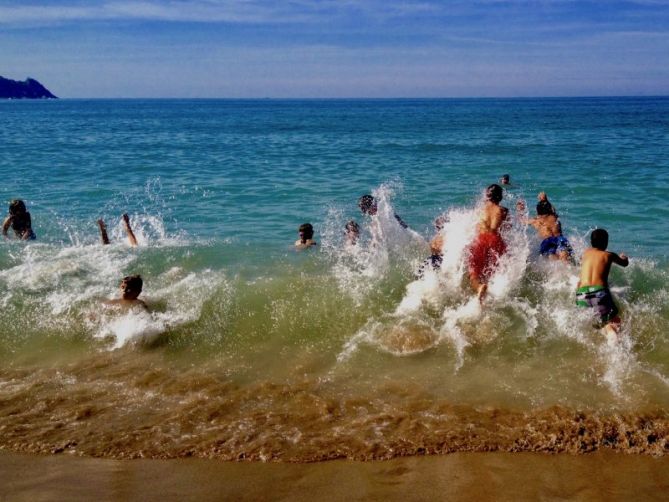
pixel 489 245
pixel 484 251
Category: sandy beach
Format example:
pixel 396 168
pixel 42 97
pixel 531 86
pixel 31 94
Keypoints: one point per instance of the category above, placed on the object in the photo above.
pixel 461 476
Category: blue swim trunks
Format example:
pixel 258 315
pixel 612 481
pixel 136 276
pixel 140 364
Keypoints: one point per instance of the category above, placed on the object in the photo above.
pixel 555 245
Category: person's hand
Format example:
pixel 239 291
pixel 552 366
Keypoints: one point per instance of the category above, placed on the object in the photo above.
pixel 623 256
pixel 542 196
pixel 520 205
pixel 101 223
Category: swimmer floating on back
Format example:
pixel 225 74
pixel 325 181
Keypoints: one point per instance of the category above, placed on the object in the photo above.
pixel 132 240
pixel 488 245
pixel 593 286
pixel 19 221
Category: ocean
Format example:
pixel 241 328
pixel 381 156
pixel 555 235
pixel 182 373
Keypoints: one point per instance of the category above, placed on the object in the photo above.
pixel 253 350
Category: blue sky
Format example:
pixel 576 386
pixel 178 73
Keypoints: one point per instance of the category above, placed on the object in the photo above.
pixel 337 48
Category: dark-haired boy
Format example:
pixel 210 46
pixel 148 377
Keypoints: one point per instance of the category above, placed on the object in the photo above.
pixel 554 245
pixel 306 233
pixel 488 245
pixel 593 287
pixel 131 288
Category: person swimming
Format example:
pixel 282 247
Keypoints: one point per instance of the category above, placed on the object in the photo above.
pixel 593 286
pixel 488 245
pixel 352 232
pixel 306 240
pixel 131 288
pixel 554 245
pixel 367 204
pixel 19 221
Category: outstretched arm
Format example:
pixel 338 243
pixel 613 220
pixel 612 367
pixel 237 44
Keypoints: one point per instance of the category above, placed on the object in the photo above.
pixel 103 231
pixel 128 230
pixel 621 259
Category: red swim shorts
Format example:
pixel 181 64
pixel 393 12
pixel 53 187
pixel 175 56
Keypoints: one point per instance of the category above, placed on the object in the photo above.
pixel 484 254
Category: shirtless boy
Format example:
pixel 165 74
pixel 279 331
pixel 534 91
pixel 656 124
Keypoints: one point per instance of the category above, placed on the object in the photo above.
pixel 306 240
pixel 19 221
pixel 554 244
pixel 593 287
pixel 488 245
pixel 131 287
pixel 126 225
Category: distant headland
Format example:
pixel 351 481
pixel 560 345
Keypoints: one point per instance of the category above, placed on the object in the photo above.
pixel 28 89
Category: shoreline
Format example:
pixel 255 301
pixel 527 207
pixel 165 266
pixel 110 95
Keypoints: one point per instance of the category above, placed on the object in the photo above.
pixel 456 476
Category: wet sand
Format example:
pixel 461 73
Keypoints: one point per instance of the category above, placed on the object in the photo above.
pixel 460 476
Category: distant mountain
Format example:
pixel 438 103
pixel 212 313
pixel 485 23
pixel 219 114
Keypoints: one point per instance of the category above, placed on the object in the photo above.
pixel 28 89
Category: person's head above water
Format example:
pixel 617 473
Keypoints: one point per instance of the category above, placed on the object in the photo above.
pixel 352 227
pixel 131 287
pixel 306 231
pixel 599 239
pixel 505 179
pixel 494 193
pixel 367 204
pixel 17 207
pixel 545 208
pixel 440 221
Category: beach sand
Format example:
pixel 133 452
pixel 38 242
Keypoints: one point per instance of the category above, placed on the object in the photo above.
pixel 461 476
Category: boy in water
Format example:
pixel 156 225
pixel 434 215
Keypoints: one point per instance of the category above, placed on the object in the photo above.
pixel 436 247
pixel 593 287
pixel 554 245
pixel 352 233
pixel 488 245
pixel 132 240
pixel 19 221
pixel 306 240
pixel 367 204
pixel 131 288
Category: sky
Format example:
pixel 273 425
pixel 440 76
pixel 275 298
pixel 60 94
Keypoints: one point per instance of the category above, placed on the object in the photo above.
pixel 337 48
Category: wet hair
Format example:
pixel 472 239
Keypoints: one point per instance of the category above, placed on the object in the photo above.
pixel 17 206
pixel 545 208
pixel 366 203
pixel 505 178
pixel 599 239
pixel 134 282
pixel 307 229
pixel 352 226
pixel 494 193
pixel 440 221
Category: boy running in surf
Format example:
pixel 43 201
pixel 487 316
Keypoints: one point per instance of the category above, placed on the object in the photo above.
pixel 593 287
pixel 488 245
pixel 554 245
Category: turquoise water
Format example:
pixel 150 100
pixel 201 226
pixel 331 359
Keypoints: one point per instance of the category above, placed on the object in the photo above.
pixel 216 189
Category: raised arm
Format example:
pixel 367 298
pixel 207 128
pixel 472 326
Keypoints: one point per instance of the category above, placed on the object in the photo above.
pixel 103 231
pixel 128 230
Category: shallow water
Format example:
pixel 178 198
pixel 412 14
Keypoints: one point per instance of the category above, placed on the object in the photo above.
pixel 252 350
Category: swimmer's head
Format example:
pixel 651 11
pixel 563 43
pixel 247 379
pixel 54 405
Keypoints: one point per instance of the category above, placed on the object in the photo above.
pixel 599 239
pixel 352 227
pixel 440 221
pixel 367 204
pixel 17 207
pixel 306 231
pixel 494 193
pixel 505 180
pixel 131 287
pixel 545 208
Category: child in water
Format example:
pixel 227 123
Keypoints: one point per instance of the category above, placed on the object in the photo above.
pixel 306 240
pixel 554 245
pixel 352 233
pixel 593 286
pixel 132 240
pixel 131 288
pixel 19 221
pixel 488 245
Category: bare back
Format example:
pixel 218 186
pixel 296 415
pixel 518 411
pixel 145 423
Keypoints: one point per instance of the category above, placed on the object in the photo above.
pixel 493 217
pixel 595 267
pixel 547 226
